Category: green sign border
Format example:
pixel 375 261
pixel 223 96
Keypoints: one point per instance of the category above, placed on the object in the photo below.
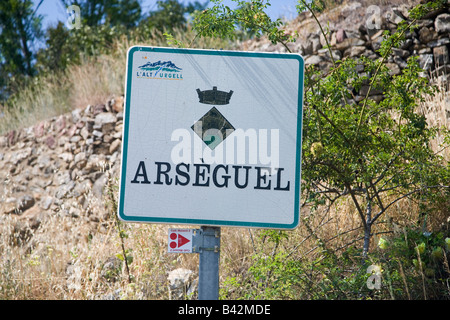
pixel 166 220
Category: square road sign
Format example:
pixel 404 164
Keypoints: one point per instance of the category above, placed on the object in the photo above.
pixel 212 137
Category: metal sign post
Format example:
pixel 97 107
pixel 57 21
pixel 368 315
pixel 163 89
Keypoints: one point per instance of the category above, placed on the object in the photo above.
pixel 208 282
pixel 206 242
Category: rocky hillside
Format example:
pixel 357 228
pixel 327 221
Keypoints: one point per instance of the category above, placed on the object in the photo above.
pixel 57 166
pixel 356 29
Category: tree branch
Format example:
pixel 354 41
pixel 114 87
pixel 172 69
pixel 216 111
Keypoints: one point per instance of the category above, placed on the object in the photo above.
pixel 402 197
pixel 387 167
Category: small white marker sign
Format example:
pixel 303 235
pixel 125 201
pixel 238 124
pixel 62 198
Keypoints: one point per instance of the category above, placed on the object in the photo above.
pixel 180 240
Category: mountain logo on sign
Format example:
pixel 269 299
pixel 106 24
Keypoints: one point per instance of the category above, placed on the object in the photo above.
pixel 160 70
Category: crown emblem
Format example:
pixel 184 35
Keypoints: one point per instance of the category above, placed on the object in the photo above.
pixel 214 96
pixel 213 127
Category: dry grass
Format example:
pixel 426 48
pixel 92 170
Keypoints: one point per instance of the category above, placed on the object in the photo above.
pixel 93 82
pixel 437 111
pixel 67 257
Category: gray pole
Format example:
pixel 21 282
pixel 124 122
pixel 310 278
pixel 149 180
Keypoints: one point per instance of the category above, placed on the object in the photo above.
pixel 208 283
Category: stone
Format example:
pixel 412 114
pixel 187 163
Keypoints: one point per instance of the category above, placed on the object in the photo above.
pixel 378 34
pixel 424 23
pixel 39 129
pixel 95 162
pixel 11 138
pixel 76 115
pixel 60 123
pixel 313 60
pixel 43 160
pixel 84 133
pixel 400 52
pixel 395 16
pixel 46 202
pixel 82 188
pixel 181 283
pixel 426 61
pixel 114 146
pixel 340 35
pixel 8 206
pixel 99 185
pixel 3 141
pixel 406 44
pixel 20 155
pixel 74 274
pixel 24 203
pixel 71 130
pixel 88 109
pixel 349 42
pixel 427 34
pixel 50 142
pixel 62 177
pixel 354 51
pixel 394 69
pixel 441 56
pixel 373 91
pixel 323 40
pixel 97 133
pixel 23 229
pixel 442 23
pixel 89 123
pixel 315 41
pixel 99 108
pixel 64 190
pixel 377 98
pixel 80 160
pixel 306 48
pixel 425 50
pixel 66 156
pixel 104 118
pixel 438 43
pixel 75 139
pixel 337 55
pixel 107 138
pixel 400 62
pixel 74 212
pixel 104 122
pixel 117 104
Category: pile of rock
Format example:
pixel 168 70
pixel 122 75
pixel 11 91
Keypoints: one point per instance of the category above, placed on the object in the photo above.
pixel 359 32
pixel 59 164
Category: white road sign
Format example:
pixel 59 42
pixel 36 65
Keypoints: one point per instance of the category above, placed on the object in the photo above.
pixel 212 138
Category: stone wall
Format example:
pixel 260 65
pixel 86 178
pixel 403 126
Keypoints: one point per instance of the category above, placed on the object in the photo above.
pixel 58 165
pixel 357 31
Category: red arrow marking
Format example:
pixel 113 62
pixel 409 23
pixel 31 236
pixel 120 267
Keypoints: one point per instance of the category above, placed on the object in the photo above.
pixel 182 240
